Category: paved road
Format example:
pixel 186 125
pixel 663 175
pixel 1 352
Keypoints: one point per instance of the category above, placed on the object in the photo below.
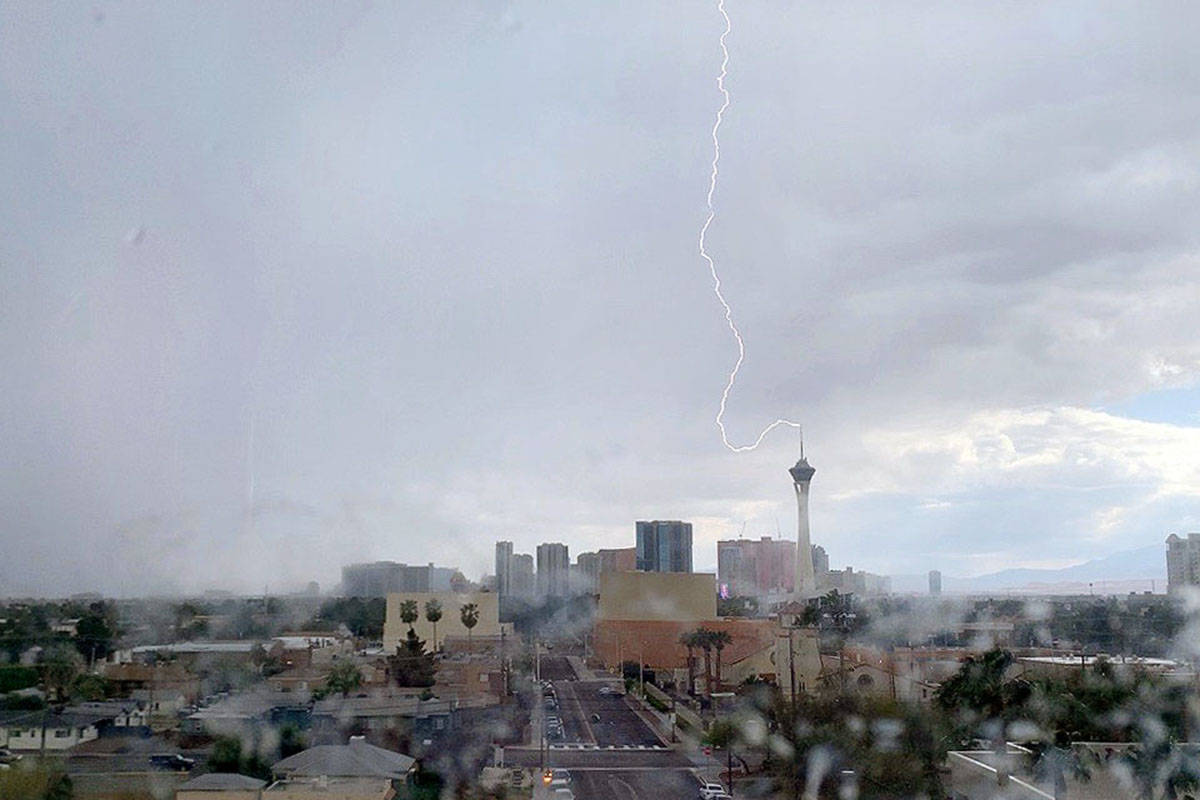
pixel 123 762
pixel 611 752
pixel 655 784
pixel 557 668
pixel 598 759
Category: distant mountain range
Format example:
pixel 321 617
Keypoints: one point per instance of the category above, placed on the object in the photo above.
pixel 1142 569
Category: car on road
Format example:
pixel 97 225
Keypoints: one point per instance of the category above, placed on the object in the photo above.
pixel 559 777
pixel 173 761
pixel 8 756
pixel 711 791
pixel 563 794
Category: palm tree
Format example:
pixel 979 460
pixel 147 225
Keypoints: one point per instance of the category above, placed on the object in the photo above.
pixel 719 641
pixel 980 694
pixel 408 612
pixel 688 640
pixel 705 642
pixel 433 612
pixel 470 618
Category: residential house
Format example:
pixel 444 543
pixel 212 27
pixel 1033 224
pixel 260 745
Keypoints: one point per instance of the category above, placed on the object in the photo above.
pixel 354 771
pixel 299 679
pixel 128 717
pixel 244 714
pixel 464 675
pixel 164 688
pixel 26 730
pixel 303 649
pixel 387 716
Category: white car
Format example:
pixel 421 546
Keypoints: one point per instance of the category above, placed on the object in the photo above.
pixel 563 794
pixel 712 791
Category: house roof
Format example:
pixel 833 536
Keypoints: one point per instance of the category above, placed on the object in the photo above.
pixel 347 708
pixel 220 781
pixel 106 709
pixel 355 760
pixel 240 646
pixel 33 719
pixel 299 642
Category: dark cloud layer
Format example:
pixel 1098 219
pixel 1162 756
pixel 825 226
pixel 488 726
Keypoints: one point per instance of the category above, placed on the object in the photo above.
pixel 281 288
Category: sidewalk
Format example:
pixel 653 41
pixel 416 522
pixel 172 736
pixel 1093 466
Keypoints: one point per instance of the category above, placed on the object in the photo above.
pixel 581 670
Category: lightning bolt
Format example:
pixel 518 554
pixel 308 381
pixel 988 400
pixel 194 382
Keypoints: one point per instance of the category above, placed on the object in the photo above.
pixel 712 267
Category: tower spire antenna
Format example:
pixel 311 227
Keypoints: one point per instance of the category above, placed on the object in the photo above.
pixel 801 427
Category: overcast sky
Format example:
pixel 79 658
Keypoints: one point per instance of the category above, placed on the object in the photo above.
pixel 285 286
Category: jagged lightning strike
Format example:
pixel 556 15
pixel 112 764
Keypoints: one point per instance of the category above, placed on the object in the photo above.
pixel 712 267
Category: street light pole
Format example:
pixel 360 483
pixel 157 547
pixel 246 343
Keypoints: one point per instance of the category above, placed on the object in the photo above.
pixel 729 763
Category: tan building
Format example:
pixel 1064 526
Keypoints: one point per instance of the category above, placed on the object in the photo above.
pixel 643 614
pixel 759 649
pixel 662 596
pixel 450 625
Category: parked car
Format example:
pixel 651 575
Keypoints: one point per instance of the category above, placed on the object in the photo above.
pixel 173 761
pixel 710 791
pixel 8 756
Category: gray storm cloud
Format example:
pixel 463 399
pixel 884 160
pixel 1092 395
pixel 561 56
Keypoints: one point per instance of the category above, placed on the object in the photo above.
pixel 442 262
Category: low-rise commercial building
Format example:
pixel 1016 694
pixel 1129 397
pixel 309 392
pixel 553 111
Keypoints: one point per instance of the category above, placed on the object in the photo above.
pixel 450 626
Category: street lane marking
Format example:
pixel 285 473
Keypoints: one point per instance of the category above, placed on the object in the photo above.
pixel 1012 778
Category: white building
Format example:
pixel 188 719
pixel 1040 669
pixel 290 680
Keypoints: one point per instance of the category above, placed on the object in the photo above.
pixel 22 730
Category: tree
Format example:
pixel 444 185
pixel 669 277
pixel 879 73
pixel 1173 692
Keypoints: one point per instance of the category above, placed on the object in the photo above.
pixel 89 687
pixel 412 666
pixel 720 640
pixel 470 618
pixel 60 666
pixel 980 696
pixel 889 749
pixel 433 613
pixel 229 756
pixel 689 640
pixel 408 612
pixel 737 606
pixel 94 635
pixel 345 677
pixel 291 740
pixel 705 642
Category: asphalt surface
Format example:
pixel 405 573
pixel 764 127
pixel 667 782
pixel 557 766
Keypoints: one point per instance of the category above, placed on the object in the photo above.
pixel 610 750
pixel 634 785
